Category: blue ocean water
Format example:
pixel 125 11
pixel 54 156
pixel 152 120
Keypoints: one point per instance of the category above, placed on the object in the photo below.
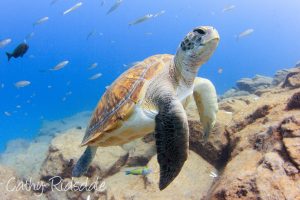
pixel 273 45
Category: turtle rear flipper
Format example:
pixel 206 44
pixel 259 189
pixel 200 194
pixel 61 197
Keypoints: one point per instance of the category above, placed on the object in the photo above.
pixel 84 161
pixel 171 133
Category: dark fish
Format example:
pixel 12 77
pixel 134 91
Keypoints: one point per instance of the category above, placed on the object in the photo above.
pixel 19 51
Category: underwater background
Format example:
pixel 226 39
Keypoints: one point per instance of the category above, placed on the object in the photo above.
pixel 88 35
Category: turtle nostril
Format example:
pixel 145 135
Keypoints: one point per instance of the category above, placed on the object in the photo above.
pixel 200 31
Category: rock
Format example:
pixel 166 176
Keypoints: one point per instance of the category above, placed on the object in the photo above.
pixel 293 148
pixel 292 79
pixel 272 180
pixel 140 152
pixel 234 93
pixel 193 182
pixel 9 182
pixel 214 150
pixel 238 178
pixel 256 83
pixel 279 76
pixel 18 155
pixel 64 151
pixel 236 104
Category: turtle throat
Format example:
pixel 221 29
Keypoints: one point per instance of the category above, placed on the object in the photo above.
pixel 185 70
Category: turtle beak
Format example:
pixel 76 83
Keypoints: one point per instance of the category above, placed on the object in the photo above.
pixel 208 33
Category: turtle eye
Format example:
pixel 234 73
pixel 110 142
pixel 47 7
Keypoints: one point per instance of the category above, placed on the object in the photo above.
pixel 200 31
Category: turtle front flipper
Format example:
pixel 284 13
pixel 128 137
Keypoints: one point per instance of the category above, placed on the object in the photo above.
pixel 84 161
pixel 171 134
pixel 205 97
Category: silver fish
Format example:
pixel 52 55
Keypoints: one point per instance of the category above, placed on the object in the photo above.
pixel 142 19
pixel 8 114
pixel 93 66
pixel 245 33
pixel 60 65
pixel 92 34
pixel 159 13
pixel 228 8
pixel 2 85
pixel 115 6
pixel 5 42
pixel 41 21
pixel 220 70
pixel 96 76
pixel 76 6
pixel 29 36
pixel 21 84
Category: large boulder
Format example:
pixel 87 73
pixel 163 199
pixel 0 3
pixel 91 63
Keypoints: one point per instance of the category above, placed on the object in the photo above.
pixel 256 83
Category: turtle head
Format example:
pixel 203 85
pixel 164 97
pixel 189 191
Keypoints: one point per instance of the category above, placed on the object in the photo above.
pixel 197 47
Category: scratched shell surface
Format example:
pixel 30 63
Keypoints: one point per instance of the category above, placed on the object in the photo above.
pixel 117 103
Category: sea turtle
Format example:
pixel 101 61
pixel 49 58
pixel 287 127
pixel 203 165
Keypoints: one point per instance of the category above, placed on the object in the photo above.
pixel 150 97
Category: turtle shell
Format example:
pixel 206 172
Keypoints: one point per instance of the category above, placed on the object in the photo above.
pixel 117 103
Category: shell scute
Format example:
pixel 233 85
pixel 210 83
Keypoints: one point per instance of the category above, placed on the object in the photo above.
pixel 118 102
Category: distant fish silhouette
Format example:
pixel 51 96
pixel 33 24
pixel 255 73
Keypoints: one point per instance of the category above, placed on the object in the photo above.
pixel 21 84
pixel 19 51
pixel 228 8
pixel 41 21
pixel 93 66
pixel 60 65
pixel 96 76
pixel 53 2
pixel 5 42
pixel 76 6
pixel 245 33
pixel 115 6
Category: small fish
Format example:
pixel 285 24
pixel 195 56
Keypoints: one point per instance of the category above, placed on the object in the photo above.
pixel 2 85
pixel 78 127
pixel 60 65
pixel 88 197
pixel 228 8
pixel 21 84
pixel 139 171
pixel 102 2
pixel 91 34
pixel 229 113
pixel 213 174
pixel 64 99
pixel 115 6
pixel 41 21
pixel 159 13
pixel 220 70
pixel 245 33
pixel 29 36
pixel 5 42
pixel 76 6
pixel 8 114
pixel 149 33
pixel 93 66
pixel 96 76
pixel 18 106
pixel 69 93
pixel 19 51
pixel 142 19
pixel 53 2
pixel 49 86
